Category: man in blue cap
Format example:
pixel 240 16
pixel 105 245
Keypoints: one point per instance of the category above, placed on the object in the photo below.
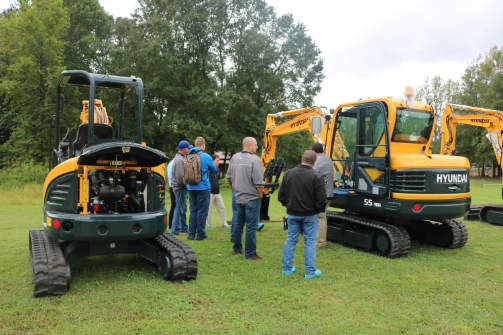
pixel 179 225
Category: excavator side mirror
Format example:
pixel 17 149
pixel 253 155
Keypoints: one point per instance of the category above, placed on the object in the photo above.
pixel 316 124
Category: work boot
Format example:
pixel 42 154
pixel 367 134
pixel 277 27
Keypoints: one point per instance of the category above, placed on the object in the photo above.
pixel 237 252
pixel 204 238
pixel 256 258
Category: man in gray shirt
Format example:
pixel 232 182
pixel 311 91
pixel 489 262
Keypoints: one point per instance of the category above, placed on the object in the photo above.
pixel 179 224
pixel 245 175
pixel 324 166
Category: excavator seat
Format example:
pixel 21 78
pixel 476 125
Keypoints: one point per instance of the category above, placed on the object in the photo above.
pixel 101 130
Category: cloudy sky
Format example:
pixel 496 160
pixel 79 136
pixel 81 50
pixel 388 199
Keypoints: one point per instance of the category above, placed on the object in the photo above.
pixel 375 48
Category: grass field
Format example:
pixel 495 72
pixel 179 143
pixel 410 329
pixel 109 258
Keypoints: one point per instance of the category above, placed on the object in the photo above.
pixel 431 291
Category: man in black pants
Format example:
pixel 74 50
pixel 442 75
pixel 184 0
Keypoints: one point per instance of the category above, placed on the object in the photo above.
pixel 171 193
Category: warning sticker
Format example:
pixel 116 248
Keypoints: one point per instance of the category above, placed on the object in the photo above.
pixel 362 185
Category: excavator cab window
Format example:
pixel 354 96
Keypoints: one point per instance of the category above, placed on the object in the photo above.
pixel 413 126
pixel 371 132
pixel 344 147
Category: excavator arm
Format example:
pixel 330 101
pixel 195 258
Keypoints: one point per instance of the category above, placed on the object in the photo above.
pixel 490 119
pixel 301 122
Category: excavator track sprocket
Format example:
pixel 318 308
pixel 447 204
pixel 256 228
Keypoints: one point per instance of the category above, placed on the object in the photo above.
pixel 182 255
pixel 367 235
pixel 449 234
pixel 48 264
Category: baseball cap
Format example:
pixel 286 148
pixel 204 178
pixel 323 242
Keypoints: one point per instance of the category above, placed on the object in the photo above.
pixel 184 144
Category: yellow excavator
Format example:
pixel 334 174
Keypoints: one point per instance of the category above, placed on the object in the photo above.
pixel 104 194
pixel 388 184
pixel 490 119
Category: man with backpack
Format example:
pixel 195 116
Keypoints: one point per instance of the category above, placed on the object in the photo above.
pixel 197 168
pixel 179 224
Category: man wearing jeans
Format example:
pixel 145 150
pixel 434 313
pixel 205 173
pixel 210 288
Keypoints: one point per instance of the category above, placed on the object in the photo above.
pixel 199 194
pixel 325 167
pixel 247 180
pixel 179 224
pixel 303 193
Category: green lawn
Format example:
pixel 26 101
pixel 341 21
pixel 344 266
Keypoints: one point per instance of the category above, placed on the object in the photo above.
pixel 431 291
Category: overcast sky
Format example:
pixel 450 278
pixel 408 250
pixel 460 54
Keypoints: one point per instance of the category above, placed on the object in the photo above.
pixel 375 48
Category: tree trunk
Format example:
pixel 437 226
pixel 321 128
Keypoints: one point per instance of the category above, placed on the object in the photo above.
pixel 224 168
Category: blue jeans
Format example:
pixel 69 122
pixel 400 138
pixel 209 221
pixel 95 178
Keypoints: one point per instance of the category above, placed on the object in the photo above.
pixel 234 213
pixel 199 204
pixel 180 217
pixel 248 213
pixel 310 226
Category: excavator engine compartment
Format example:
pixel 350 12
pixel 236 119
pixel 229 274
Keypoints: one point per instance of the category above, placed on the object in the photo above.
pixel 113 193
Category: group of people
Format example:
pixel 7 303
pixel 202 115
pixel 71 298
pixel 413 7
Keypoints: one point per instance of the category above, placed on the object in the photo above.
pixel 244 175
pixel 306 192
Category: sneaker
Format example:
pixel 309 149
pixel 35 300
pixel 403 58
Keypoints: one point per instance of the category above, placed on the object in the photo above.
pixel 190 238
pixel 289 272
pixel 321 247
pixel 316 273
pixel 183 233
pixel 256 258
pixel 209 227
pixel 237 252
pixel 260 226
pixel 226 227
pixel 204 238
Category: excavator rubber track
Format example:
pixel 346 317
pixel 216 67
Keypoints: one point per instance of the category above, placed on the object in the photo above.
pixel 491 213
pixel 184 260
pixel 368 235
pixel 48 265
pixel 449 234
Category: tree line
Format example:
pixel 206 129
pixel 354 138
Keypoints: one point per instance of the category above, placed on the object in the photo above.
pixel 211 68
pixel 481 85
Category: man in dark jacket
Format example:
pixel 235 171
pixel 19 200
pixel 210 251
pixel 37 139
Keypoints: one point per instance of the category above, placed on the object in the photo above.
pixel 303 193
